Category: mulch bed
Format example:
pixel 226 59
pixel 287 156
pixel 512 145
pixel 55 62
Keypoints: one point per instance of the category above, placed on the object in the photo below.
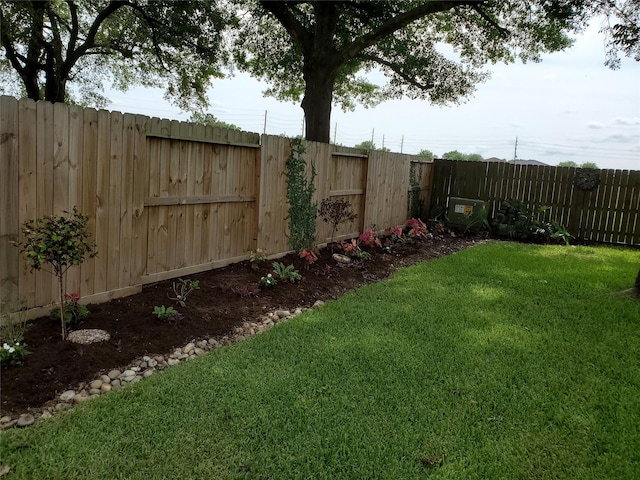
pixel 227 298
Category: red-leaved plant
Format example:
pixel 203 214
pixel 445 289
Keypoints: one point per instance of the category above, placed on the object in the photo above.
pixel 369 239
pixel 309 256
pixel 394 232
pixel 417 229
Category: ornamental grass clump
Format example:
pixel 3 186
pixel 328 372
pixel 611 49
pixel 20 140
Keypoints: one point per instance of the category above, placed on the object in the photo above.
pixel 58 241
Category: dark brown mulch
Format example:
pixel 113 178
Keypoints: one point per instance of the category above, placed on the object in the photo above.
pixel 224 300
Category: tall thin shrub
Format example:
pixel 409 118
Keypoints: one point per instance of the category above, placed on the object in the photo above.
pixel 302 209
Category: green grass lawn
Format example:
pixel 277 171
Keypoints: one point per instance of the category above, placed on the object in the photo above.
pixel 500 361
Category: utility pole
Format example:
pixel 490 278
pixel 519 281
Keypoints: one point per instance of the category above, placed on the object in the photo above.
pixel 402 144
pixel 302 127
pixel 382 141
pixel 335 133
pixel 373 131
pixel 515 151
pixel 265 123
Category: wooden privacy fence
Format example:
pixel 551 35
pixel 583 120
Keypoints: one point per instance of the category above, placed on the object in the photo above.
pixel 609 212
pixel 165 198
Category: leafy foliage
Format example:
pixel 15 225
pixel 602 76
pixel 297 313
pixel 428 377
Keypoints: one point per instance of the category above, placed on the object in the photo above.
pixel 49 46
pixel 268 281
pixel 456 155
pixel 168 314
pixel 60 242
pixel 320 52
pixel 211 121
pixel 515 220
pixel 369 239
pixel 286 273
pixel 302 208
pixel 73 311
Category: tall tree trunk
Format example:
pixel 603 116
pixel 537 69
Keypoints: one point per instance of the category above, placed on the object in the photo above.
pixel 318 96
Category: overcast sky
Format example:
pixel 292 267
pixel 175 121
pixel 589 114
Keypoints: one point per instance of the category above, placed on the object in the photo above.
pixel 569 107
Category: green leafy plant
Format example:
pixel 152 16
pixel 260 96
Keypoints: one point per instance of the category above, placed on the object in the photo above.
pixel 515 220
pixel 60 242
pixel 268 281
pixel 562 233
pixel 73 311
pixel 477 220
pixel 182 289
pixel 12 353
pixel 336 212
pixel 168 314
pixel 260 255
pixel 302 209
pixel 12 333
pixel 286 274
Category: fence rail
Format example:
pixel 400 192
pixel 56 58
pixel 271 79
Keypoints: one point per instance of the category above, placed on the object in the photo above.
pixel 167 198
pixel 609 212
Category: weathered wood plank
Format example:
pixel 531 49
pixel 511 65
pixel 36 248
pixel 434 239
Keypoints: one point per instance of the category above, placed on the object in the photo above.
pixel 27 189
pixel 9 208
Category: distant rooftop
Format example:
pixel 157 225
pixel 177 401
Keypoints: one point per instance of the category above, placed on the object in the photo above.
pixel 517 162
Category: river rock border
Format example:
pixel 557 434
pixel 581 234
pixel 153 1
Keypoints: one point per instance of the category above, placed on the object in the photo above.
pixel 145 366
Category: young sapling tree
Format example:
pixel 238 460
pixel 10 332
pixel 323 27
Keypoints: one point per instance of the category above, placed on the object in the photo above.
pixel 59 241
pixel 335 212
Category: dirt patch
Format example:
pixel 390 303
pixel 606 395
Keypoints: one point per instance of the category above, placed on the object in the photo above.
pixel 227 298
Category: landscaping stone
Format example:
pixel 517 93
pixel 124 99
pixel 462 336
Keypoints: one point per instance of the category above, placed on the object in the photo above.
pixel 25 420
pixel 67 396
pixel 144 367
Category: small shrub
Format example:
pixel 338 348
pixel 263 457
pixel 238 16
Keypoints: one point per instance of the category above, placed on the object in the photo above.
pixel 61 242
pixel 514 220
pixel 167 314
pixel 267 281
pixel 183 289
pixel 336 212
pixel 286 274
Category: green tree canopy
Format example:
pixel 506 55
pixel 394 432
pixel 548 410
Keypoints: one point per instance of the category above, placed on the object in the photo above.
pixel 456 155
pixel 369 145
pixel 428 154
pixel 48 46
pixel 592 165
pixel 211 120
pixel 572 164
pixel 320 52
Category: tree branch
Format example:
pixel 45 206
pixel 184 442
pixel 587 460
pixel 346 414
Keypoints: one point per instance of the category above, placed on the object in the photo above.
pixel 397 69
pixel 291 24
pixel 400 21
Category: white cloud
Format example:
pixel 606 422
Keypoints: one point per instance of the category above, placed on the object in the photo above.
pixel 595 125
pixel 627 122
